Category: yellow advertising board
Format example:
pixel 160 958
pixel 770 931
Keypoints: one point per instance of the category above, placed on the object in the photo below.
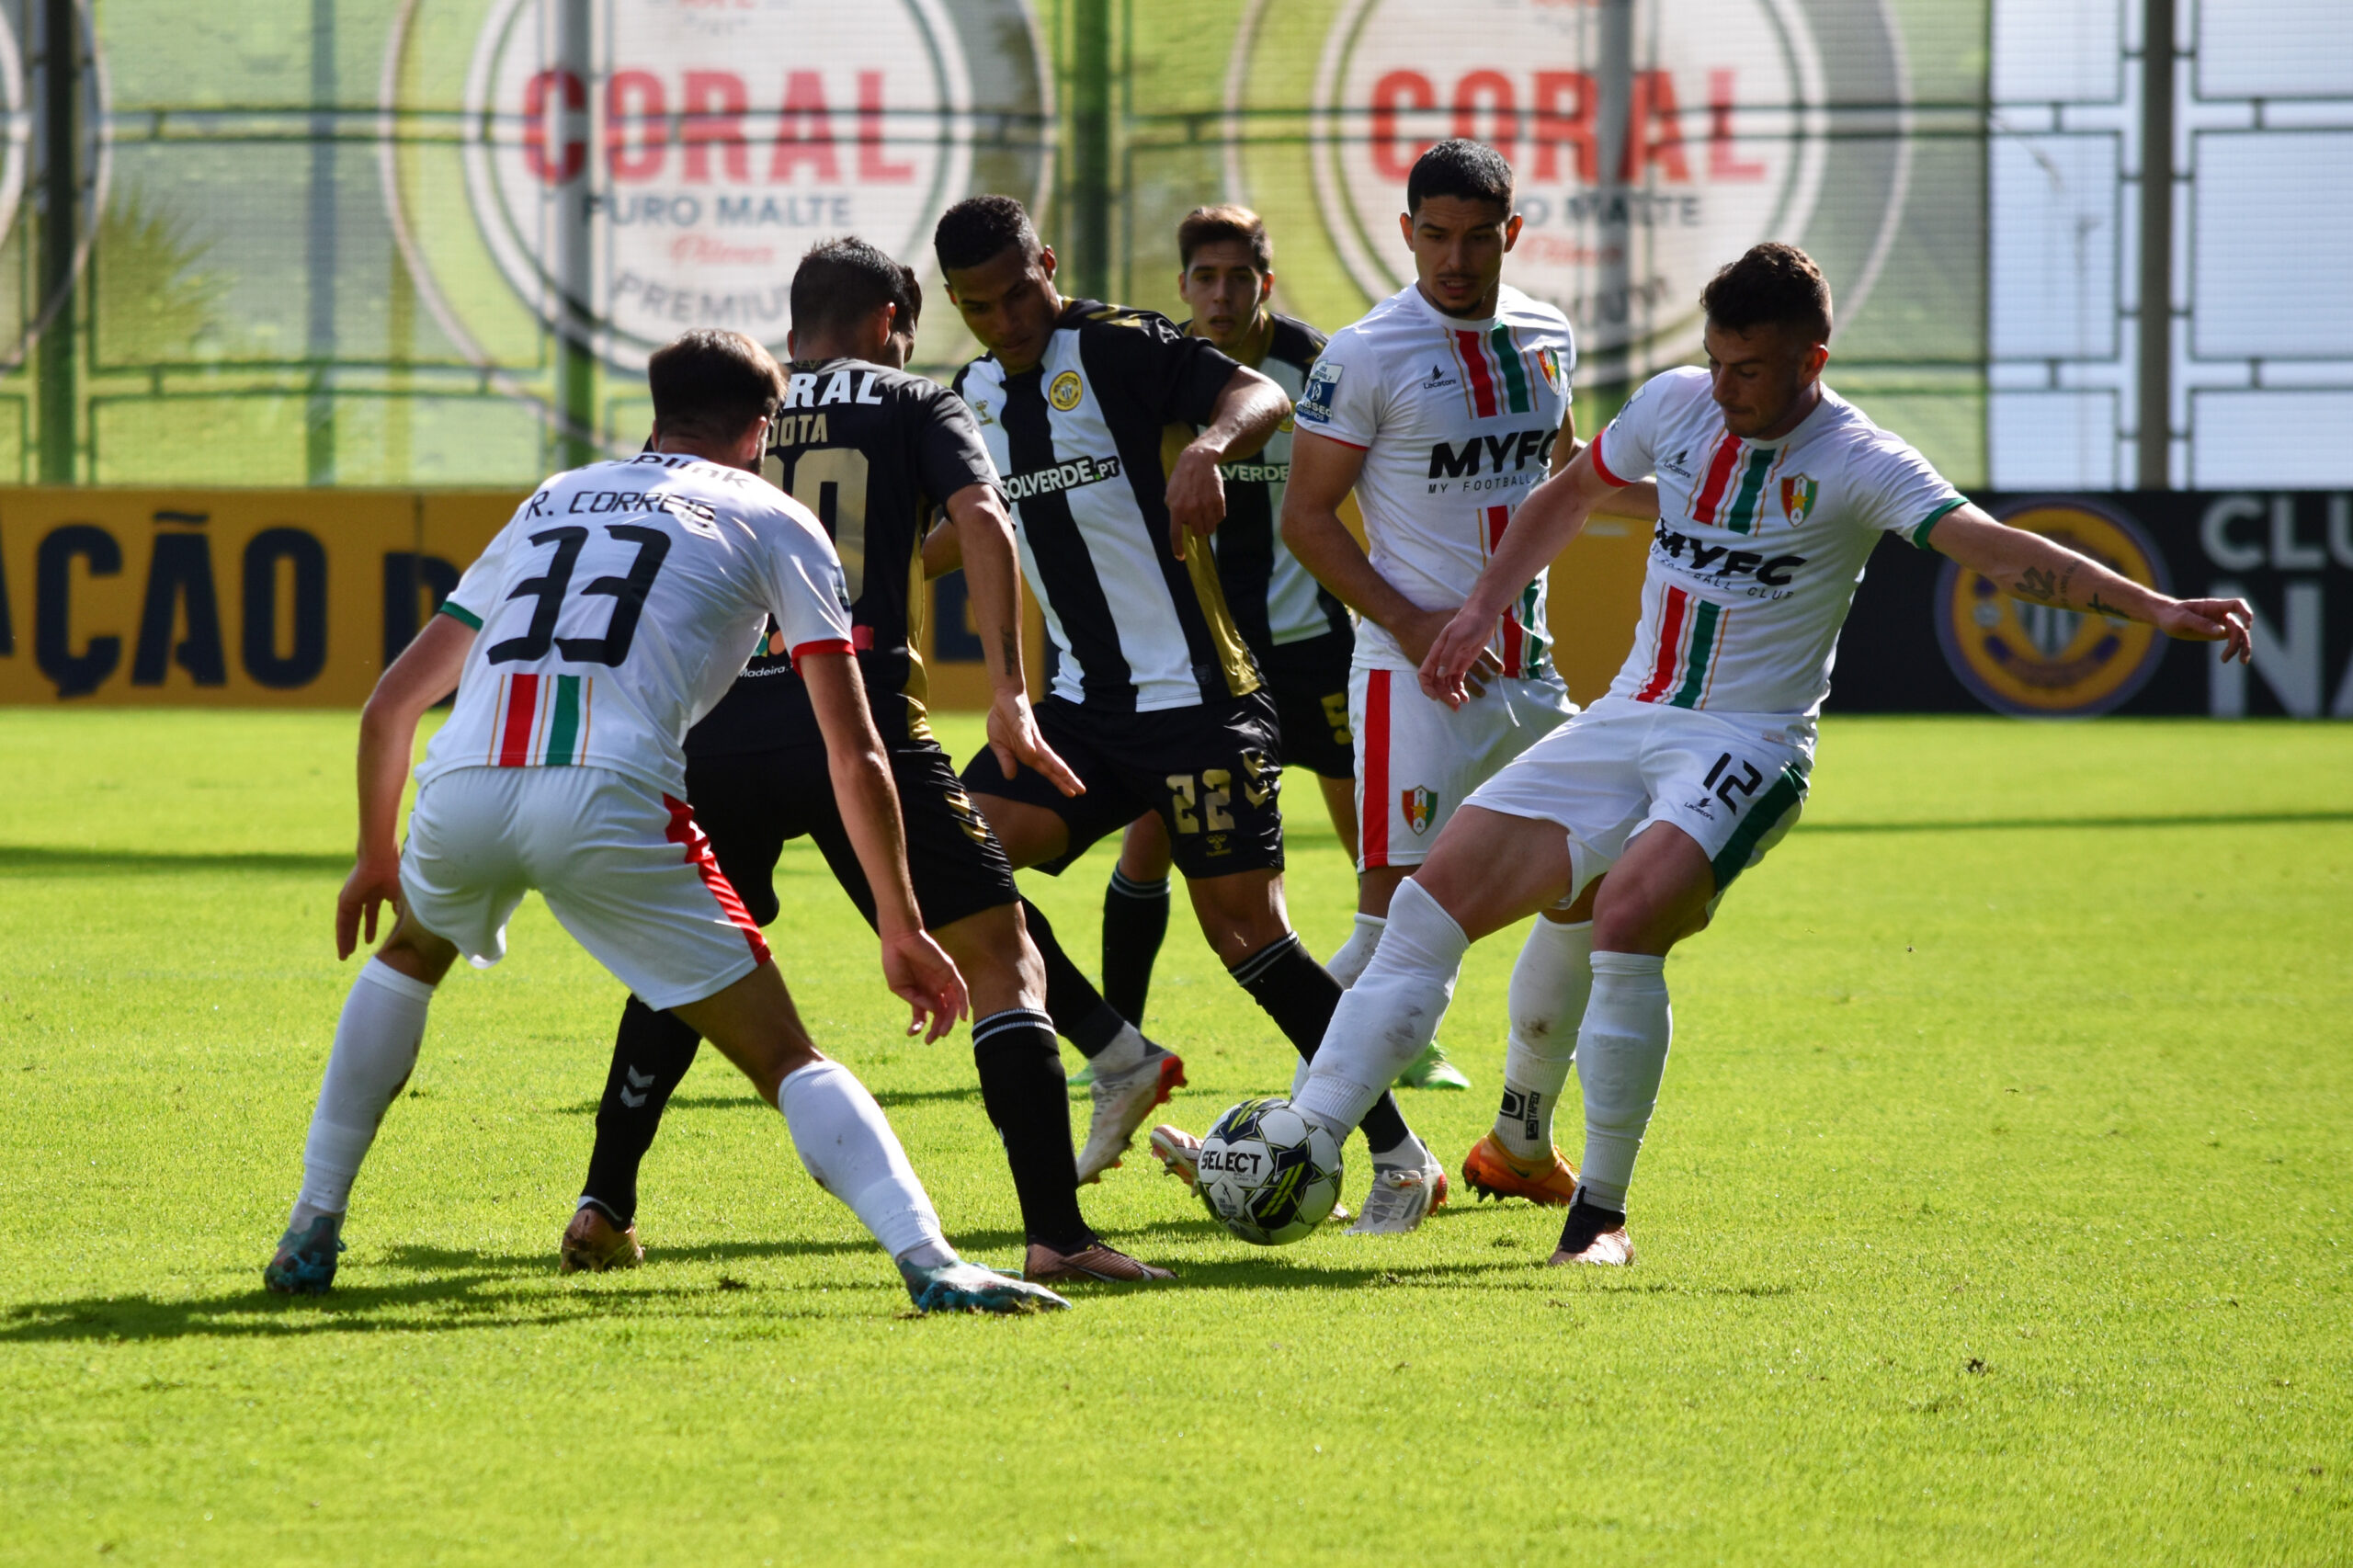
pixel 297 598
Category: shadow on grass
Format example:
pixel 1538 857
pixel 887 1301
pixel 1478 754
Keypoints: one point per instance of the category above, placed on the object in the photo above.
pixel 746 1100
pixel 100 862
pixel 2073 825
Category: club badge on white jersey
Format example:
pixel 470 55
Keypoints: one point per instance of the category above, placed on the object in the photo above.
pixel 618 604
pixel 1457 420
pixel 1759 545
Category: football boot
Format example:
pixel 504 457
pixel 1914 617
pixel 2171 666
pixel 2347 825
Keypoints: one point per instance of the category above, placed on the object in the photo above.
pixel 306 1262
pixel 1094 1264
pixel 1431 1069
pixel 1122 1100
pixel 592 1243
pixel 961 1287
pixel 1492 1171
pixel 1594 1234
pixel 1400 1198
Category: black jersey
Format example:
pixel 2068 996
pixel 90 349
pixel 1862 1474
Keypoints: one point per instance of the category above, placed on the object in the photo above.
pixel 875 453
pixel 1275 600
pixel 1080 441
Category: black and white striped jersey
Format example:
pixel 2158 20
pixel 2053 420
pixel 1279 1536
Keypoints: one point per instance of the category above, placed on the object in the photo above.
pixel 1081 441
pixel 1275 600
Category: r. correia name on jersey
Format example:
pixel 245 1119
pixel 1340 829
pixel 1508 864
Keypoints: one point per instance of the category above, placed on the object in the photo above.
pixel 616 605
pixel 1457 420
pixel 1760 546
pixel 1079 440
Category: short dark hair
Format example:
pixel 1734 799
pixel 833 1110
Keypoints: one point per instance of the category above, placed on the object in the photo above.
pixel 843 281
pixel 979 228
pixel 909 298
pixel 1773 285
pixel 709 385
pixel 1458 167
pixel 1214 226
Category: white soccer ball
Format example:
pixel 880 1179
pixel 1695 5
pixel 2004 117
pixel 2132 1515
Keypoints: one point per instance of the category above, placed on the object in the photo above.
pixel 1268 1174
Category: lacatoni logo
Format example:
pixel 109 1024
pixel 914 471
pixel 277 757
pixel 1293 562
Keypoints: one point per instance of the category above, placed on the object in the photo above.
pixel 663 164
pixel 1631 199
pixel 1065 476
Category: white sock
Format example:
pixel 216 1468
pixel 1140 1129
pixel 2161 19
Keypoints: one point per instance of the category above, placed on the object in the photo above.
pixel 375 1051
pixel 1128 1049
pixel 1388 1015
pixel 849 1147
pixel 1622 1054
pixel 1548 986
pixel 1347 964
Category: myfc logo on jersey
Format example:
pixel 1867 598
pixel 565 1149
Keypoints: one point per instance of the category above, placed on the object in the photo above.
pixel 636 167
pixel 2026 658
pixel 1652 142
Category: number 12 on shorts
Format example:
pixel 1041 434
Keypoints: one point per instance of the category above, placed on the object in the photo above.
pixel 1742 783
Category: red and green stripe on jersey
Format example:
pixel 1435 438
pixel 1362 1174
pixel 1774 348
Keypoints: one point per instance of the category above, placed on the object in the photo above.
pixel 1690 642
pixel 1498 375
pixel 540 720
pixel 1735 488
pixel 1525 650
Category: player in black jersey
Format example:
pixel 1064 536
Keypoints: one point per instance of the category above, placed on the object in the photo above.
pixel 876 454
pixel 1299 633
pixel 1156 703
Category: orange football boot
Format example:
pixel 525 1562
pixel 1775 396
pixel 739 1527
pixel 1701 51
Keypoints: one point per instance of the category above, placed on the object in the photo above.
pixel 1491 1171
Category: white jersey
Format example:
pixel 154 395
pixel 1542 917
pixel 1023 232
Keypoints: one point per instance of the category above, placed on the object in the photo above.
pixel 617 607
pixel 1759 545
pixel 1457 421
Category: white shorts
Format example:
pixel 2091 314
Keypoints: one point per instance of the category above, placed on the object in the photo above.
pixel 1621 766
pixel 1416 759
pixel 621 865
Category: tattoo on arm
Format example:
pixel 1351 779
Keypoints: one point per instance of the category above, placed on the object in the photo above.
pixel 2034 583
pixel 1012 649
pixel 2101 606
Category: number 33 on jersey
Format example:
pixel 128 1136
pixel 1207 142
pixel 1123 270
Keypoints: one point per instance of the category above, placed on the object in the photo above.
pixel 616 608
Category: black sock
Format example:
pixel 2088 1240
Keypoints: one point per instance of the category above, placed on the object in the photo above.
pixel 1078 1010
pixel 650 1052
pixel 1300 997
pixel 1029 1102
pixel 1135 922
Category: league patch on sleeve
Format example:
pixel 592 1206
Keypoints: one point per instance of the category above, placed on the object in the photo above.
pixel 1315 398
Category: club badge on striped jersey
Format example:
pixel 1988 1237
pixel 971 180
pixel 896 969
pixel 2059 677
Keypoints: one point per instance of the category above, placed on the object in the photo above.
pixel 1798 492
pixel 1065 392
pixel 1420 808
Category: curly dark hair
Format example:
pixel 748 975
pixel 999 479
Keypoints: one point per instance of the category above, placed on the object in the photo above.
pixel 843 281
pixel 1773 285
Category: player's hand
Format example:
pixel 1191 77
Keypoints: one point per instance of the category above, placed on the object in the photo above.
pixel 1196 498
pixel 1451 649
pixel 926 979
pixel 1014 737
pixel 2227 621
pixel 375 881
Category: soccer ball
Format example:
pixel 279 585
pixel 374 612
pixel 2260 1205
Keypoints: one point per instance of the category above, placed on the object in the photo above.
pixel 1268 1174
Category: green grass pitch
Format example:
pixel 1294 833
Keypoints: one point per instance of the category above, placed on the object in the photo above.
pixel 1995 1211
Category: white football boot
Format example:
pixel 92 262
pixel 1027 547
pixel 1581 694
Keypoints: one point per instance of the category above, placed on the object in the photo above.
pixel 1122 1100
pixel 1400 1198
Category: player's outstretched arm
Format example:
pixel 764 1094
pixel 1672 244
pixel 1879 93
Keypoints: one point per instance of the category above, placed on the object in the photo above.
pixel 1247 413
pixel 2030 566
pixel 425 672
pixel 1553 516
pixel 993 588
pixel 916 970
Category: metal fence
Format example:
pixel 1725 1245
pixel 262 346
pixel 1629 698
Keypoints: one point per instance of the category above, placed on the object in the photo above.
pixel 429 241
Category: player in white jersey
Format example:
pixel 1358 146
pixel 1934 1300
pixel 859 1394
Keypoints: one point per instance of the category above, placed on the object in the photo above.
pixel 610 614
pixel 1636 816
pixel 1442 409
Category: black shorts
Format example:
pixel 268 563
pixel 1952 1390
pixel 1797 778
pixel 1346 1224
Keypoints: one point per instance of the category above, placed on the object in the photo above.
pixel 1210 772
pixel 748 803
pixel 1310 684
